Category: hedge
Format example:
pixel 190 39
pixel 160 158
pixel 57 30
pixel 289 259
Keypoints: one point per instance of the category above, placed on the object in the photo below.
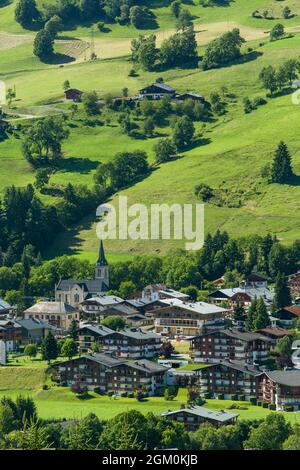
pixel 288 408
pixel 253 400
pixel 220 396
pixel 234 397
pixel 272 406
pixel 265 405
pixel 206 395
pixel 242 398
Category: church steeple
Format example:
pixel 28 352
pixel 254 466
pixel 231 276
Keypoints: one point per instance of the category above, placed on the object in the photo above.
pixel 101 261
pixel 102 268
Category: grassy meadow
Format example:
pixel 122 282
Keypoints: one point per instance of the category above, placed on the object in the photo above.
pixel 229 153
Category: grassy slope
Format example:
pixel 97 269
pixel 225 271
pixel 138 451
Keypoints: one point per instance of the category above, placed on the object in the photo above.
pixel 239 144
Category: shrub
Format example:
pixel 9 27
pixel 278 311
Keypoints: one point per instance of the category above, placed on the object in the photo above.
pixel 234 397
pixel 242 398
pixel 288 408
pixel 272 406
pixel 98 390
pixel 130 395
pixel 258 101
pixel 206 395
pixel 124 394
pixel 45 387
pixel 110 393
pixel 220 396
pixel 253 400
pixel 259 403
pixel 265 405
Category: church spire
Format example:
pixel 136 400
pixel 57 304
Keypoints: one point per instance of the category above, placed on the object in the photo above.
pixel 101 261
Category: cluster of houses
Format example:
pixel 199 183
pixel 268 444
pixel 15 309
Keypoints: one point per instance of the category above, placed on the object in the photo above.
pixel 156 91
pixel 232 361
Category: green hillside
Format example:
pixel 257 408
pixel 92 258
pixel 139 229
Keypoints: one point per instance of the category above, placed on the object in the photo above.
pixel 230 154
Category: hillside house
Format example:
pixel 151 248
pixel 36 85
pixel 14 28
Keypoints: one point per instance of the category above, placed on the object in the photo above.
pixel 193 416
pixel 229 378
pixel 110 374
pixel 241 295
pixel 274 333
pixel 34 330
pixel 73 94
pixel 230 344
pixel 281 388
pixel 287 315
pixel 11 334
pixel 190 96
pixel 156 91
pixel 5 308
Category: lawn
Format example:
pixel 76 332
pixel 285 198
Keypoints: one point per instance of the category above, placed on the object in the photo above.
pixel 182 347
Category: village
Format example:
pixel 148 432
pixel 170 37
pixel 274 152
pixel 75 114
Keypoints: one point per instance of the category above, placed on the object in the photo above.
pixel 128 347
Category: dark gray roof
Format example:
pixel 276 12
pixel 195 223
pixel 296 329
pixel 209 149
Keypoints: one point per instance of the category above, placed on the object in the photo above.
pixel 148 366
pixel 137 333
pixel 100 330
pixel 215 415
pixel 101 358
pixel 164 86
pixel 122 308
pixel 241 335
pixel 4 305
pixel 285 377
pixel 241 366
pixel 92 286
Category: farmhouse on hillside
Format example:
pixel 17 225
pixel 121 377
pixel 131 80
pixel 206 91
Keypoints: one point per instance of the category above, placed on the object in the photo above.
pixel 193 416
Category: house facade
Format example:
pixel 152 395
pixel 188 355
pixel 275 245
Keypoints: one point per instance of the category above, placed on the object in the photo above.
pixel 294 284
pixel 281 388
pixel 110 374
pixel 230 344
pixel 57 314
pixel 11 334
pixel 193 416
pixel 156 91
pixel 177 317
pixel 229 378
pixel 287 316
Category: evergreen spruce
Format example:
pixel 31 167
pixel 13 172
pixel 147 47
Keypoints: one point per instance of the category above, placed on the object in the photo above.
pixel 261 318
pixel 49 348
pixel 282 292
pixel 281 169
pixel 251 315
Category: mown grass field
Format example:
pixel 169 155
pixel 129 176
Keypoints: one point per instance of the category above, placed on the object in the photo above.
pixel 229 155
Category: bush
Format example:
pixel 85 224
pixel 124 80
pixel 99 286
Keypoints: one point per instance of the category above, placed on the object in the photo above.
pixel 98 390
pixel 272 406
pixel 110 393
pixel 124 394
pixel 288 408
pixel 130 395
pixel 242 398
pixel 234 397
pixel 253 400
pixel 45 387
pixel 220 396
pixel 259 403
pixel 265 405
pixel 206 395
pixel 258 101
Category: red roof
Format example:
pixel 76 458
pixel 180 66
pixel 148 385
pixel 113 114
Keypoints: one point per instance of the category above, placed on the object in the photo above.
pixel 293 309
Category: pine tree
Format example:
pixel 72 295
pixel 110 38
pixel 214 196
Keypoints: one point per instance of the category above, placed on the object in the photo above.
pixel 73 330
pixel 49 348
pixel 251 315
pixel 239 312
pixel 281 169
pixel 282 292
pixel 261 318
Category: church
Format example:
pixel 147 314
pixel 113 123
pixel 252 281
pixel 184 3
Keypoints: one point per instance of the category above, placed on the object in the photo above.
pixel 74 292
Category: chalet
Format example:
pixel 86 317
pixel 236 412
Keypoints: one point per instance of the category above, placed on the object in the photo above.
pixel 154 292
pixel 256 280
pixel 73 94
pixel 294 284
pixel 33 330
pixel 100 303
pixel 11 334
pixel 142 306
pixel 156 91
pixel 132 343
pixel 74 292
pixel 228 378
pixel 193 416
pixel 176 317
pixel 230 344
pixel 241 295
pixel 281 388
pixel 287 315
pixel 274 333
pixel 190 96
pixel 110 374
pixel 89 334
pixel 57 314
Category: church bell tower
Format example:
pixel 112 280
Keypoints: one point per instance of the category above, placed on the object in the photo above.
pixel 102 268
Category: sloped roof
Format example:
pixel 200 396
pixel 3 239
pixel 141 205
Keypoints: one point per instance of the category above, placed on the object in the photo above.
pixel 285 377
pixel 237 365
pixel 246 336
pixel 203 308
pixel 215 415
pixel 51 308
pixel 4 305
pixel 100 330
pixel 104 300
pixel 251 291
pixel 34 324
pixel 137 333
pixel 293 309
pixel 93 286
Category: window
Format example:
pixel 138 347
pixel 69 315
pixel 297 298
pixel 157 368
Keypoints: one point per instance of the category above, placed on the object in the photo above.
pixel 76 298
